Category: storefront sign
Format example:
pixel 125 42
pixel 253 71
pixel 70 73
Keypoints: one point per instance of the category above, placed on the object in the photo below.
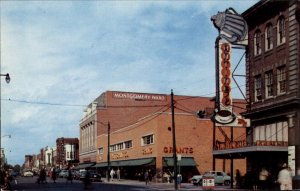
pixel 121 155
pixel 149 97
pixel 230 145
pixel 291 159
pixel 232 30
pixel 238 144
pixel 182 150
pixel 147 151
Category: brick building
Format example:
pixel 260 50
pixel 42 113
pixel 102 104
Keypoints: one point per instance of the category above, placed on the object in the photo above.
pixel 273 89
pixel 67 152
pixel 141 137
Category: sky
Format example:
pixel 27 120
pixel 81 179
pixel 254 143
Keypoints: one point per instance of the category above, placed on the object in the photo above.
pixel 61 55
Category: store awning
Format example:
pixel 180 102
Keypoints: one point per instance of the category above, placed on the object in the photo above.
pixel 84 165
pixel 133 162
pixel 185 161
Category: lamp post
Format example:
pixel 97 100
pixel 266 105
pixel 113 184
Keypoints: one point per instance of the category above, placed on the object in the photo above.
pixel 108 151
pixel 7 79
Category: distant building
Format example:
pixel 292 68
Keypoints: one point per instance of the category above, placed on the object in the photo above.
pixel 28 164
pixel 67 152
pixel 50 156
pixel 2 157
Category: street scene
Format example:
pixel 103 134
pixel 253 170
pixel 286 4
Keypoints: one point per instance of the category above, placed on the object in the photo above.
pixel 150 95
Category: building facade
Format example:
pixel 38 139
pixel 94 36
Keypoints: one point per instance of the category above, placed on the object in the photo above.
pixel 136 127
pixel 272 90
pixel 50 156
pixel 67 152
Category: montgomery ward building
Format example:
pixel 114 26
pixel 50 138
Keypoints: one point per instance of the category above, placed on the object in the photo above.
pixel 136 127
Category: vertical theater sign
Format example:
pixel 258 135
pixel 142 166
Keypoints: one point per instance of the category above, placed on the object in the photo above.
pixel 233 32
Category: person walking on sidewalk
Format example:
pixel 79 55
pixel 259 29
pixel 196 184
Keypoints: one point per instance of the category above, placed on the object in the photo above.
pixel 146 176
pixel 118 174
pixel 285 178
pixel 112 174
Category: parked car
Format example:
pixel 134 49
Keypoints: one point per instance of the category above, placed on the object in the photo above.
pixel 14 174
pixel 94 176
pixel 28 173
pixel 63 174
pixel 219 176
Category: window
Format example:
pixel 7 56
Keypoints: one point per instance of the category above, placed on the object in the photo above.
pixel 281 80
pixel 257 43
pixel 128 144
pixel 100 150
pixel 281 30
pixel 269 37
pixel 269 84
pixel 147 140
pixel 257 87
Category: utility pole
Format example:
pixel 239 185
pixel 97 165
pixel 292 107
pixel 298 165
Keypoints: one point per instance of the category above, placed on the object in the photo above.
pixel 108 151
pixel 174 142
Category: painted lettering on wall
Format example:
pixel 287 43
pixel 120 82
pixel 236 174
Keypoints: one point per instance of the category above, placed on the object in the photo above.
pixel 151 97
pixel 147 151
pixel 182 150
pixel 121 155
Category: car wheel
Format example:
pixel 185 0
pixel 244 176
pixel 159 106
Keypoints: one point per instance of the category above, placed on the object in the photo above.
pixel 226 182
pixel 200 182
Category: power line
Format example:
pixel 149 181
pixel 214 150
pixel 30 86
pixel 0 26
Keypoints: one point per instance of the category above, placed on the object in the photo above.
pixel 77 105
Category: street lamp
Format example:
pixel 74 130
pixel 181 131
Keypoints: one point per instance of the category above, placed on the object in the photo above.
pixel 7 79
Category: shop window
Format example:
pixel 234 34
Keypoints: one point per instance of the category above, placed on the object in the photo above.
pixel 257 87
pixel 269 37
pixel 147 140
pixel 257 43
pixel 281 80
pixel 269 84
pixel 281 31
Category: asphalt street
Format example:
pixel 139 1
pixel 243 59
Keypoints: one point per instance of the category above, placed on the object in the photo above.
pixel 28 183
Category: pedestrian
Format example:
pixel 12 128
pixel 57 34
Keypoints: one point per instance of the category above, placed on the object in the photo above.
pixel 238 178
pixel 42 176
pixel 118 174
pixel 146 177
pixel 70 176
pixel 86 179
pixel 263 178
pixel 179 179
pixel 112 173
pixel 285 178
pixel 53 174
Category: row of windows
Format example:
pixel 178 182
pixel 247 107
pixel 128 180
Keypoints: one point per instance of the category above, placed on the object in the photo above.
pixel 269 39
pixel 269 85
pixel 145 140
pixel 272 132
pixel 121 146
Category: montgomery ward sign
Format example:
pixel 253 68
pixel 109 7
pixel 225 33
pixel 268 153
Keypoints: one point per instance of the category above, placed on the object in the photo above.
pixel 136 96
